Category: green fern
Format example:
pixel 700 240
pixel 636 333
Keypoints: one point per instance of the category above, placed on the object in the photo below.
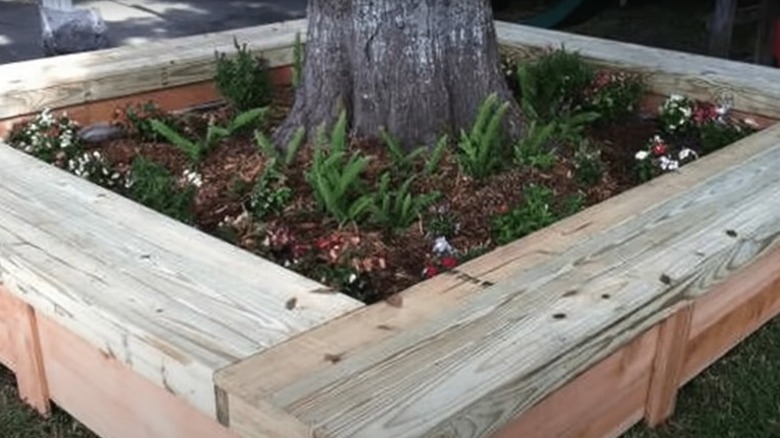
pixel 479 151
pixel 436 154
pixel 398 208
pixel 270 150
pixel 403 161
pixel 335 176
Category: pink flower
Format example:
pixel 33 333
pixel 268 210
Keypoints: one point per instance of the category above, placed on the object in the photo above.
pixel 659 148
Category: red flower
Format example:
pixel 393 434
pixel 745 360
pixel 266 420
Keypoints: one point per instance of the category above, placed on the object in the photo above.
pixel 449 262
pixel 430 271
pixel 659 148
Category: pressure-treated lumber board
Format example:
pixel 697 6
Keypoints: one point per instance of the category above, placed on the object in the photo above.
pixel 623 379
pixel 170 302
pixel 23 339
pixel 7 355
pixel 28 87
pixel 734 310
pixel 753 88
pixel 110 398
pixel 668 365
pixel 616 275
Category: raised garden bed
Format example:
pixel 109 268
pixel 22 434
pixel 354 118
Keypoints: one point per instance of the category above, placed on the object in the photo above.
pixel 608 290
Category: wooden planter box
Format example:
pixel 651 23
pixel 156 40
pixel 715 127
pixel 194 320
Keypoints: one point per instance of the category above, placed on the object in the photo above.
pixel 140 326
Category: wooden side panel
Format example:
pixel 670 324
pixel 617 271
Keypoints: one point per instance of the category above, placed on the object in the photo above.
pixel 110 398
pixel 24 347
pixel 602 402
pixel 7 355
pixel 733 311
pixel 667 366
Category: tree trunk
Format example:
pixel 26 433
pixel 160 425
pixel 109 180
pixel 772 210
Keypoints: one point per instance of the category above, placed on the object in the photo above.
pixel 417 68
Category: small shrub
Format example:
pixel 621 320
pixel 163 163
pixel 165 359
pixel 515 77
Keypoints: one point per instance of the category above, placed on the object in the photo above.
pixel 588 166
pixel 534 213
pixel 554 84
pixel 534 148
pixel 480 151
pixel 154 186
pixel 243 80
pixel 614 95
pixel 270 195
pixel 442 222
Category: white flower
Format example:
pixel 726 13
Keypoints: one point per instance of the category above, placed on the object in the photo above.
pixel 751 123
pixel 686 153
pixel 442 246
pixel 668 164
pixel 641 155
pixel 193 178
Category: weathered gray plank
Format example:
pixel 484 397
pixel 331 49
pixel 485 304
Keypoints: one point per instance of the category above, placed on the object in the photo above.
pixel 474 368
pixel 169 301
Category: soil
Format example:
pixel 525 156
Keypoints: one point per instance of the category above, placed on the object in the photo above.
pixel 304 240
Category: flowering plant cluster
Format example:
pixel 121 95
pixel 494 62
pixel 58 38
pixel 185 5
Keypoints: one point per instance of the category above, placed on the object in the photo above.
pixel 687 124
pixel 613 94
pixel 443 259
pixel 54 139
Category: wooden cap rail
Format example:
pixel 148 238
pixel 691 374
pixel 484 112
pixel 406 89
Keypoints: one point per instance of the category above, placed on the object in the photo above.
pixel 170 302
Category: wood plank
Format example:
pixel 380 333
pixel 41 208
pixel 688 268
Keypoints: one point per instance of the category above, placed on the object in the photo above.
pixel 753 88
pixel 110 398
pixel 668 365
pixel 26 350
pixel 158 295
pixel 734 310
pixel 7 353
pixel 461 375
pixel 602 402
pixel 257 377
pixel 30 86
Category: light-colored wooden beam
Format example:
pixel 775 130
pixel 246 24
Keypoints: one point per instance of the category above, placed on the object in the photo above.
pixel 24 342
pixel 668 365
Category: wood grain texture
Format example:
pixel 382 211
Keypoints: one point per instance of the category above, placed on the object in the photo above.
pixel 666 375
pixel 170 302
pixel 473 368
pixel 26 349
pixel 7 308
pixel 753 88
pixel 30 86
pixel 602 402
pixel 110 398
pixel 733 310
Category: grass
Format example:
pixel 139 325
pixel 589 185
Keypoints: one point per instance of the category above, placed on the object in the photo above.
pixel 738 396
pixel 17 420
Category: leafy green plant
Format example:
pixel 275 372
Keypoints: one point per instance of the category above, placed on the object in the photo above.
pixel 533 149
pixel 571 128
pixel 398 208
pixel 270 194
pixel 614 94
pixel 588 165
pixel 335 176
pixel 479 150
pixel 196 150
pixel 138 120
pixel 436 154
pixel 716 135
pixel 298 55
pixel 243 79
pixel 154 186
pixel 403 161
pixel 271 152
pixel 441 223
pixel 554 84
pixel 534 213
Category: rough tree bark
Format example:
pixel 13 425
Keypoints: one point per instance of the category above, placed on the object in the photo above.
pixel 417 68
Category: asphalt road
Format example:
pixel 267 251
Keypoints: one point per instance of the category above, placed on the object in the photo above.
pixel 138 21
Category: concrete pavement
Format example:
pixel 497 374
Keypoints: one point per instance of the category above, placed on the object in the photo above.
pixel 138 21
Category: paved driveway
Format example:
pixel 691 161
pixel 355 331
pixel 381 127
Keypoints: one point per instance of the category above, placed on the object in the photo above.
pixel 137 21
